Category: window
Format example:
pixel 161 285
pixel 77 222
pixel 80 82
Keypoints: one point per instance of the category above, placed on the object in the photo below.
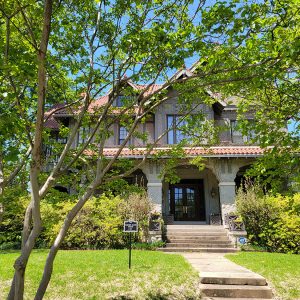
pixel 175 135
pixel 122 134
pixel 120 100
pixel 237 136
pixel 61 140
pixel 83 135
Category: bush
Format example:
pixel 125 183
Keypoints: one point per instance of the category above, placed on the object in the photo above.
pixel 148 246
pixel 138 207
pixel 98 225
pixel 272 222
pixel 14 203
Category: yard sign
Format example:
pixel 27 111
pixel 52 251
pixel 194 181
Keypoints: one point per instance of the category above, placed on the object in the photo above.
pixel 130 226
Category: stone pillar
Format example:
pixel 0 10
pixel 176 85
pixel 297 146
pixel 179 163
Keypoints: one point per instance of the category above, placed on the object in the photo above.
pixel 227 197
pixel 155 194
pixel 154 187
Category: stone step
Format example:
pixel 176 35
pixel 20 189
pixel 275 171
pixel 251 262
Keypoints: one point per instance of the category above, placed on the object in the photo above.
pixel 194 226
pixel 222 298
pixel 198 249
pixel 198 238
pixel 197 241
pixel 236 291
pixel 196 233
pixel 201 245
pixel 196 230
pixel 235 278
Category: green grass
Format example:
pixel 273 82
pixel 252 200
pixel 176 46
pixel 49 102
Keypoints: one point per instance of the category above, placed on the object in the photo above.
pixel 105 275
pixel 281 270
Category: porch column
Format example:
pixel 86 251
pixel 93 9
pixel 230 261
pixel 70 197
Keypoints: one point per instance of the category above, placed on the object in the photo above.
pixel 155 194
pixel 227 198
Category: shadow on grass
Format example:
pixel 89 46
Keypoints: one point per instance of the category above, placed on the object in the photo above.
pixel 153 296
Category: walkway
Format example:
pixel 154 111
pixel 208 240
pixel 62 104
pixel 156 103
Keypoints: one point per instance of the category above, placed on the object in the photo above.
pixel 221 278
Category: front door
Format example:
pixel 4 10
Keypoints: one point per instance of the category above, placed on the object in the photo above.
pixel 187 202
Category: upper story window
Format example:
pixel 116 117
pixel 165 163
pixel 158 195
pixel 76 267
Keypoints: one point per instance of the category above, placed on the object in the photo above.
pixel 175 135
pixel 83 135
pixel 123 132
pixel 121 100
pixel 237 136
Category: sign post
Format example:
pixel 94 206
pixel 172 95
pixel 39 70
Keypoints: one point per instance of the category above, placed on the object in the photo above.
pixel 130 226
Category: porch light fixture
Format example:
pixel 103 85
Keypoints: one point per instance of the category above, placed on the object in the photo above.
pixel 213 192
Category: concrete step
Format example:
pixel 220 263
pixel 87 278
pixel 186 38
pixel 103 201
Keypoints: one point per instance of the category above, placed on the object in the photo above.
pixel 236 291
pixel 222 298
pixel 196 233
pixel 194 226
pixel 200 240
pixel 200 245
pixel 193 238
pixel 198 249
pixel 235 278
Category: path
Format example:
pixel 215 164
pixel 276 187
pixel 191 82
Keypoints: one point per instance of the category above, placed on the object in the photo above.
pixel 223 279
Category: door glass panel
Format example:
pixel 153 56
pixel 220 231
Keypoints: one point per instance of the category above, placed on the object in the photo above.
pixel 190 197
pixel 184 202
pixel 178 197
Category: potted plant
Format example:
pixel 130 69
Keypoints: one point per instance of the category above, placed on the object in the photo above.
pixel 156 221
pixel 235 222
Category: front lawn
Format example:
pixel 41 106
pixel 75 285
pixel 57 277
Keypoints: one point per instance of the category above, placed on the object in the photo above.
pixel 281 270
pixel 105 275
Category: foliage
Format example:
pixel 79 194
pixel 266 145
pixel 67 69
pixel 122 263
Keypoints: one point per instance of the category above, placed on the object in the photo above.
pixel 99 224
pixel 272 222
pixel 148 246
pixel 75 51
pixel 104 274
pixel 282 271
pixel 138 207
pixel 14 204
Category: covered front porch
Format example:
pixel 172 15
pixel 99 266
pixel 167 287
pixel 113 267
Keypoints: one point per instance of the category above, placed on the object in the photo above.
pixel 200 196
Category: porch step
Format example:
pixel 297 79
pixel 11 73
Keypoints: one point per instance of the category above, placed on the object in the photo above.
pixel 220 237
pixel 195 233
pixel 194 226
pixel 222 298
pixel 236 291
pixel 236 278
pixel 197 238
pixel 196 249
pixel 221 240
pixel 200 244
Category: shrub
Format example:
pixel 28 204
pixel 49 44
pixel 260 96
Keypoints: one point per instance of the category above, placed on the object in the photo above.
pixel 272 222
pixel 148 246
pixel 14 203
pixel 98 225
pixel 138 207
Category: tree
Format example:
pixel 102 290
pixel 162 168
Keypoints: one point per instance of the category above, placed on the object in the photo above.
pixel 76 50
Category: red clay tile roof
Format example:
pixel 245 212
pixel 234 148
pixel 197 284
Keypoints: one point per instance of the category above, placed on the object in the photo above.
pixel 208 152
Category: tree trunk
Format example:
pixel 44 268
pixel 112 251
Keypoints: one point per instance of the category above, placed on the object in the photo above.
pixel 59 239
pixel 33 212
pixel 1 185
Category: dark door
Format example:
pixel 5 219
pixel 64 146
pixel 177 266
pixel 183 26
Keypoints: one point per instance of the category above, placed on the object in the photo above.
pixel 187 202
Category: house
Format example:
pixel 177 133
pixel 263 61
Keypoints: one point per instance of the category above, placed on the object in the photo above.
pixel 201 196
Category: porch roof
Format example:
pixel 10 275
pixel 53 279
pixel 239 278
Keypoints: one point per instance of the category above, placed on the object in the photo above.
pixel 221 151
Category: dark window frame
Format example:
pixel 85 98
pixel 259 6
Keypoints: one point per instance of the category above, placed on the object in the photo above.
pixel 124 133
pixel 174 133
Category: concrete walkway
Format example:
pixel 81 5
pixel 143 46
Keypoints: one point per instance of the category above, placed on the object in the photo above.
pixel 221 278
pixel 214 262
